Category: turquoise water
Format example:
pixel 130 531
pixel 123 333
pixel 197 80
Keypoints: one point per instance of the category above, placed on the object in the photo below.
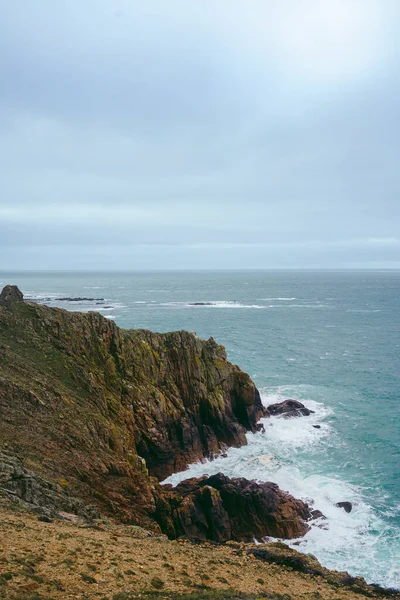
pixel 330 339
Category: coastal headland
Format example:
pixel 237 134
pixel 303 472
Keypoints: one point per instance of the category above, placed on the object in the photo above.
pixel 93 417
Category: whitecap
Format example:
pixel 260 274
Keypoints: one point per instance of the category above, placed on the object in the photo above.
pixel 282 299
pixel 205 304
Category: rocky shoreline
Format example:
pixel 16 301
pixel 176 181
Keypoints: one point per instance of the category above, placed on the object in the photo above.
pixel 94 417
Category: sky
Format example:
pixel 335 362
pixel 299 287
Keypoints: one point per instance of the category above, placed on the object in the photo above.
pixel 198 134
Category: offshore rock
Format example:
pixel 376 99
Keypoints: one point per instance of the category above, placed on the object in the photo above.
pixel 289 408
pixel 347 506
pixel 11 294
pixel 218 508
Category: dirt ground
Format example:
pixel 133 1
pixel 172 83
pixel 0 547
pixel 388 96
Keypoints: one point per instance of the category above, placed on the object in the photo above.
pixel 63 560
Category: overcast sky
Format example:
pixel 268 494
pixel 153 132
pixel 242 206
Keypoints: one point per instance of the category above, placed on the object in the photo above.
pixel 161 134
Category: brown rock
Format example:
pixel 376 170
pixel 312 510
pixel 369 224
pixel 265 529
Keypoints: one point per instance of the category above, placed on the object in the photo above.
pixel 219 508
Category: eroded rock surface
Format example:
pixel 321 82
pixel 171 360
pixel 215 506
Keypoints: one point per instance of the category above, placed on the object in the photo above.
pixel 36 493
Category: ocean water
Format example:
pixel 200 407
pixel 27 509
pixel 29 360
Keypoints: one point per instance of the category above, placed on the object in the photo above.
pixel 329 339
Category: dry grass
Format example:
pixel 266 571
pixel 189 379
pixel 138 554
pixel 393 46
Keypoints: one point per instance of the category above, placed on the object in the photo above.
pixel 61 560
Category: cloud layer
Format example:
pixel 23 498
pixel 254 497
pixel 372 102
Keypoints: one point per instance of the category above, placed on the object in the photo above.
pixel 199 134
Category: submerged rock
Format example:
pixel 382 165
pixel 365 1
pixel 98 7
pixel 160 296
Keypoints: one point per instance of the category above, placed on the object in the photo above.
pixel 201 304
pixel 289 408
pixel 218 508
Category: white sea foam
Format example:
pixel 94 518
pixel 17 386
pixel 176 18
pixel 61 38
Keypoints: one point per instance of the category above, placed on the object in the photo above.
pixel 300 306
pixel 230 304
pixel 364 310
pixel 30 295
pixel 289 454
pixel 204 304
pixel 282 299
pixel 96 304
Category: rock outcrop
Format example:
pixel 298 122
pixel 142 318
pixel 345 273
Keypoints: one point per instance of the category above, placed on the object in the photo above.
pixel 281 555
pixel 289 408
pixel 218 508
pixel 35 493
pixel 11 294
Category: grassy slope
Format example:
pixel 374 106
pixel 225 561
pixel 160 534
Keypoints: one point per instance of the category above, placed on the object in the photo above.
pixel 43 561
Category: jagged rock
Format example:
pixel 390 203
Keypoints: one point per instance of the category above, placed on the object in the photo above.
pixel 289 408
pixel 11 294
pixel 347 506
pixel 218 508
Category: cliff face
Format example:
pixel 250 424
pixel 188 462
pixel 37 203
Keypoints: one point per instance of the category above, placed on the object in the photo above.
pixel 98 410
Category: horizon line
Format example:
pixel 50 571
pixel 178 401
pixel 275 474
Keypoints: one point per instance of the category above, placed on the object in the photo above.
pixel 201 270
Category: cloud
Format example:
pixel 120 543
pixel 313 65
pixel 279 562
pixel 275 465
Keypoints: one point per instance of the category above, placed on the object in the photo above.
pixel 258 133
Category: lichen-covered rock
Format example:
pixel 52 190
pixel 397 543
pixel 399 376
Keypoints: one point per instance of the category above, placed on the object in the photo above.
pixel 219 508
pixel 38 494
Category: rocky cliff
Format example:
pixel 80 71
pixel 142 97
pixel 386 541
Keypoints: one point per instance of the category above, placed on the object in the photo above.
pixel 90 417
pixel 100 414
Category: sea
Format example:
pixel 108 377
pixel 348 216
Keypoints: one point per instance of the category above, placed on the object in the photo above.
pixel 329 339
